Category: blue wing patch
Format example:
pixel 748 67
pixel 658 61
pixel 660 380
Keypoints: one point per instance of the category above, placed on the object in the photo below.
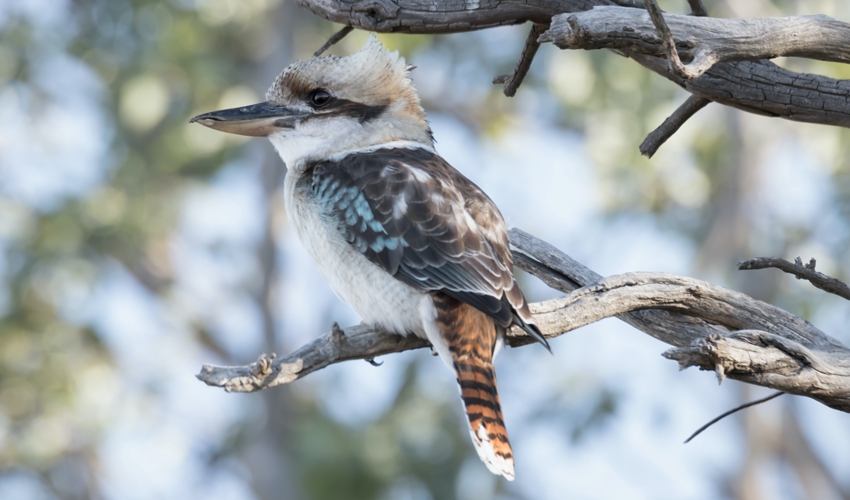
pixel 408 212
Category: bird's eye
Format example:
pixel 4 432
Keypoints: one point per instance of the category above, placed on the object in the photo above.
pixel 320 97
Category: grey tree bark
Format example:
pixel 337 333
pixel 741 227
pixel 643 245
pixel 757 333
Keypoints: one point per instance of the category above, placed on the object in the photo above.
pixel 710 327
pixel 728 57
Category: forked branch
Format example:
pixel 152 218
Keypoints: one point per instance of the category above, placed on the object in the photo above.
pixel 669 44
pixel 719 60
pixel 711 327
pixel 701 42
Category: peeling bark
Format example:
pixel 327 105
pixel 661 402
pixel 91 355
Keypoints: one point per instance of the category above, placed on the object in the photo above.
pixel 711 327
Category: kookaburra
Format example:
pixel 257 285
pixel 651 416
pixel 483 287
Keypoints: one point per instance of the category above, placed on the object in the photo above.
pixel 402 237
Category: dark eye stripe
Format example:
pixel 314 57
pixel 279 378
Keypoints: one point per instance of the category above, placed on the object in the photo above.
pixel 343 107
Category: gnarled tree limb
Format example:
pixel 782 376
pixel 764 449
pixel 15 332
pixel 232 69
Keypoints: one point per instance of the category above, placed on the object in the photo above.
pixel 443 16
pixel 756 86
pixel 703 41
pixel 768 346
pixel 763 88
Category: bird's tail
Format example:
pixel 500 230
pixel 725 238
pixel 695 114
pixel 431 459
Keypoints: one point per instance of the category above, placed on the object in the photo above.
pixel 471 338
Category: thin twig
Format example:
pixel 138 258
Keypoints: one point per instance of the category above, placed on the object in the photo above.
pixel 721 417
pixel 514 80
pixel 666 130
pixel 802 272
pixel 673 61
pixel 339 35
pixel 697 8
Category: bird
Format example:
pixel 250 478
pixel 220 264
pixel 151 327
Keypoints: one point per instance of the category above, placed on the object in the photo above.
pixel 405 239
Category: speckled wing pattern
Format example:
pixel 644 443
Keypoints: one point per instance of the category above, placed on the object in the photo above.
pixel 410 212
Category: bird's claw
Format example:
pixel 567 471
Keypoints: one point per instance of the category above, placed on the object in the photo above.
pixel 372 362
pixel 263 365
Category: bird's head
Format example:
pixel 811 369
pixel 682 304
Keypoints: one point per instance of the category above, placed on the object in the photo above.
pixel 327 105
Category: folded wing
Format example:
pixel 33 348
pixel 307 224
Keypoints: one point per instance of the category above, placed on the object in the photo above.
pixel 411 213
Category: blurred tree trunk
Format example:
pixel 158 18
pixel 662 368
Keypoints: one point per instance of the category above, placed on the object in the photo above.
pixel 274 475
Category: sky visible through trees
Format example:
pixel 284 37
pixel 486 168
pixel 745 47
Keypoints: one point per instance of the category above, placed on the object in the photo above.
pixel 135 247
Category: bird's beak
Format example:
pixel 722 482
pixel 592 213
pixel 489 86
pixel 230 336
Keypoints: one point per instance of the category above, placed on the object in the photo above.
pixel 256 120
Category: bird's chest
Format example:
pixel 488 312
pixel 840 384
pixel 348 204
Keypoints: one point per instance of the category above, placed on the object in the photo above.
pixel 374 294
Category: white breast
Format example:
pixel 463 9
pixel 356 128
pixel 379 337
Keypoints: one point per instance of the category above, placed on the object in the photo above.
pixel 374 294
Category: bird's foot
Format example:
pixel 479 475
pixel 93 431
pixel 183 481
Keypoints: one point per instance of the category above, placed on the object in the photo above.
pixel 263 365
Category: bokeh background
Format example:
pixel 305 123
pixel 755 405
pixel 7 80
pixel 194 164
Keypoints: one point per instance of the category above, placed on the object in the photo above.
pixel 135 247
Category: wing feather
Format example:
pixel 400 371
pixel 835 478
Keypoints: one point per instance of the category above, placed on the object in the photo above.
pixel 418 218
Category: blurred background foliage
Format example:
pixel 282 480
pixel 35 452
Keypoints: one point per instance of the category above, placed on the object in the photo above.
pixel 134 247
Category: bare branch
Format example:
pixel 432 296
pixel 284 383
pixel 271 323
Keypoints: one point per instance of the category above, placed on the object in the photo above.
pixel 514 80
pixel 444 16
pixel 659 136
pixel 702 42
pixel 357 342
pixel 763 88
pixel 774 348
pixel 772 360
pixel 756 87
pixel 561 272
pixel 802 272
pixel 697 8
pixel 339 35
pixel 669 44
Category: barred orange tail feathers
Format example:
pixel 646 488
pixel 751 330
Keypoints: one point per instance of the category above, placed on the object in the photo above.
pixel 471 338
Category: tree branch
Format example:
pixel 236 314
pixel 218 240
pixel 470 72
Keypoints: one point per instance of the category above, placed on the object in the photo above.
pixel 771 360
pixel 333 40
pixel 785 352
pixel 514 80
pixel 758 87
pixel 802 272
pixel 659 136
pixel 356 342
pixel 697 8
pixel 444 16
pixel 702 41
pixel 763 88
pixel 673 62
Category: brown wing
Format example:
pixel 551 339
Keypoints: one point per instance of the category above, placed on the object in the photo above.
pixel 411 213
